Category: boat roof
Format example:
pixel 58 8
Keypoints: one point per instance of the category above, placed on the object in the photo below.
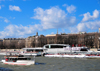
pixel 17 57
pixel 32 48
pixel 58 44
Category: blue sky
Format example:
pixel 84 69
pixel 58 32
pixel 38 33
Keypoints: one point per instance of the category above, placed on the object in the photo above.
pixel 23 18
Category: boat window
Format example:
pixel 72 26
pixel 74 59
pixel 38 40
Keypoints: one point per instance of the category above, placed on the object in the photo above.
pixel 64 46
pixel 28 58
pixel 20 56
pixel 84 49
pixel 39 50
pixel 30 50
pixel 57 46
pixel 47 46
pixel 24 59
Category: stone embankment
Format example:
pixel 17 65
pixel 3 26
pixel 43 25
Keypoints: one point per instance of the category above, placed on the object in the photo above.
pixel 93 49
pixel 11 50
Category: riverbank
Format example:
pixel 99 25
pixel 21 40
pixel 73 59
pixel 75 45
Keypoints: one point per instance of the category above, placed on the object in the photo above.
pixel 10 50
pixel 92 49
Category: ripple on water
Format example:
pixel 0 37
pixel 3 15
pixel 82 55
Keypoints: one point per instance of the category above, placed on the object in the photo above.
pixel 5 69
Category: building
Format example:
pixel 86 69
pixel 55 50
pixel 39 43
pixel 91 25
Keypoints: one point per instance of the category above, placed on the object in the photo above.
pixel 13 43
pixel 1 43
pixel 91 40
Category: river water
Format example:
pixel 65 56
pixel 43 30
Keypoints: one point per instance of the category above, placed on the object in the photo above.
pixel 58 64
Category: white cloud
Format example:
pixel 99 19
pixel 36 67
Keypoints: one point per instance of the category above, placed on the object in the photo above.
pixel 49 18
pixel 4 19
pixel 0 7
pixel 13 17
pixel 53 18
pixel 73 29
pixel 81 27
pixel 64 5
pixel 52 32
pixel 2 0
pixel 88 25
pixel 87 16
pixel 89 22
pixel 16 8
pixel 71 8
pixel 19 31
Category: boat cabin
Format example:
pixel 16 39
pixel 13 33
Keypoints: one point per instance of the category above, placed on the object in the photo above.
pixel 14 58
pixel 32 49
pixel 55 46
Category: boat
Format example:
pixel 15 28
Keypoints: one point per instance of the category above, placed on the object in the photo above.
pixel 8 52
pixel 17 60
pixel 93 55
pixel 2 53
pixel 74 55
pixel 67 55
pixel 32 51
pixel 59 48
pixel 53 55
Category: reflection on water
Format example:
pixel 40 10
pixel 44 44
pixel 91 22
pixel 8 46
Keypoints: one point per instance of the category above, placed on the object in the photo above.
pixel 58 64
pixel 5 69
pixel 40 63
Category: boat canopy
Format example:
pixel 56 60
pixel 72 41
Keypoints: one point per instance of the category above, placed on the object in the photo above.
pixel 55 46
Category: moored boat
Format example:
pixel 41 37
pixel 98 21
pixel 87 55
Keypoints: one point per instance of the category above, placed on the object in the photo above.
pixel 69 55
pixel 74 55
pixel 92 56
pixel 32 51
pixel 53 55
pixel 62 48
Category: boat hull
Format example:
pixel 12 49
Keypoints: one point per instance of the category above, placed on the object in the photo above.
pixel 74 56
pixel 71 56
pixel 19 62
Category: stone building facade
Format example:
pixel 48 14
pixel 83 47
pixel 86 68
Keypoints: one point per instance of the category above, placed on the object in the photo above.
pixel 1 43
pixel 13 43
pixel 35 41
pixel 91 40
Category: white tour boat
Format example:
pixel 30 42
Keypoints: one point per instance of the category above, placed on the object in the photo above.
pixel 53 55
pixel 59 48
pixel 32 51
pixel 68 55
pixel 93 55
pixel 17 60
pixel 74 55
